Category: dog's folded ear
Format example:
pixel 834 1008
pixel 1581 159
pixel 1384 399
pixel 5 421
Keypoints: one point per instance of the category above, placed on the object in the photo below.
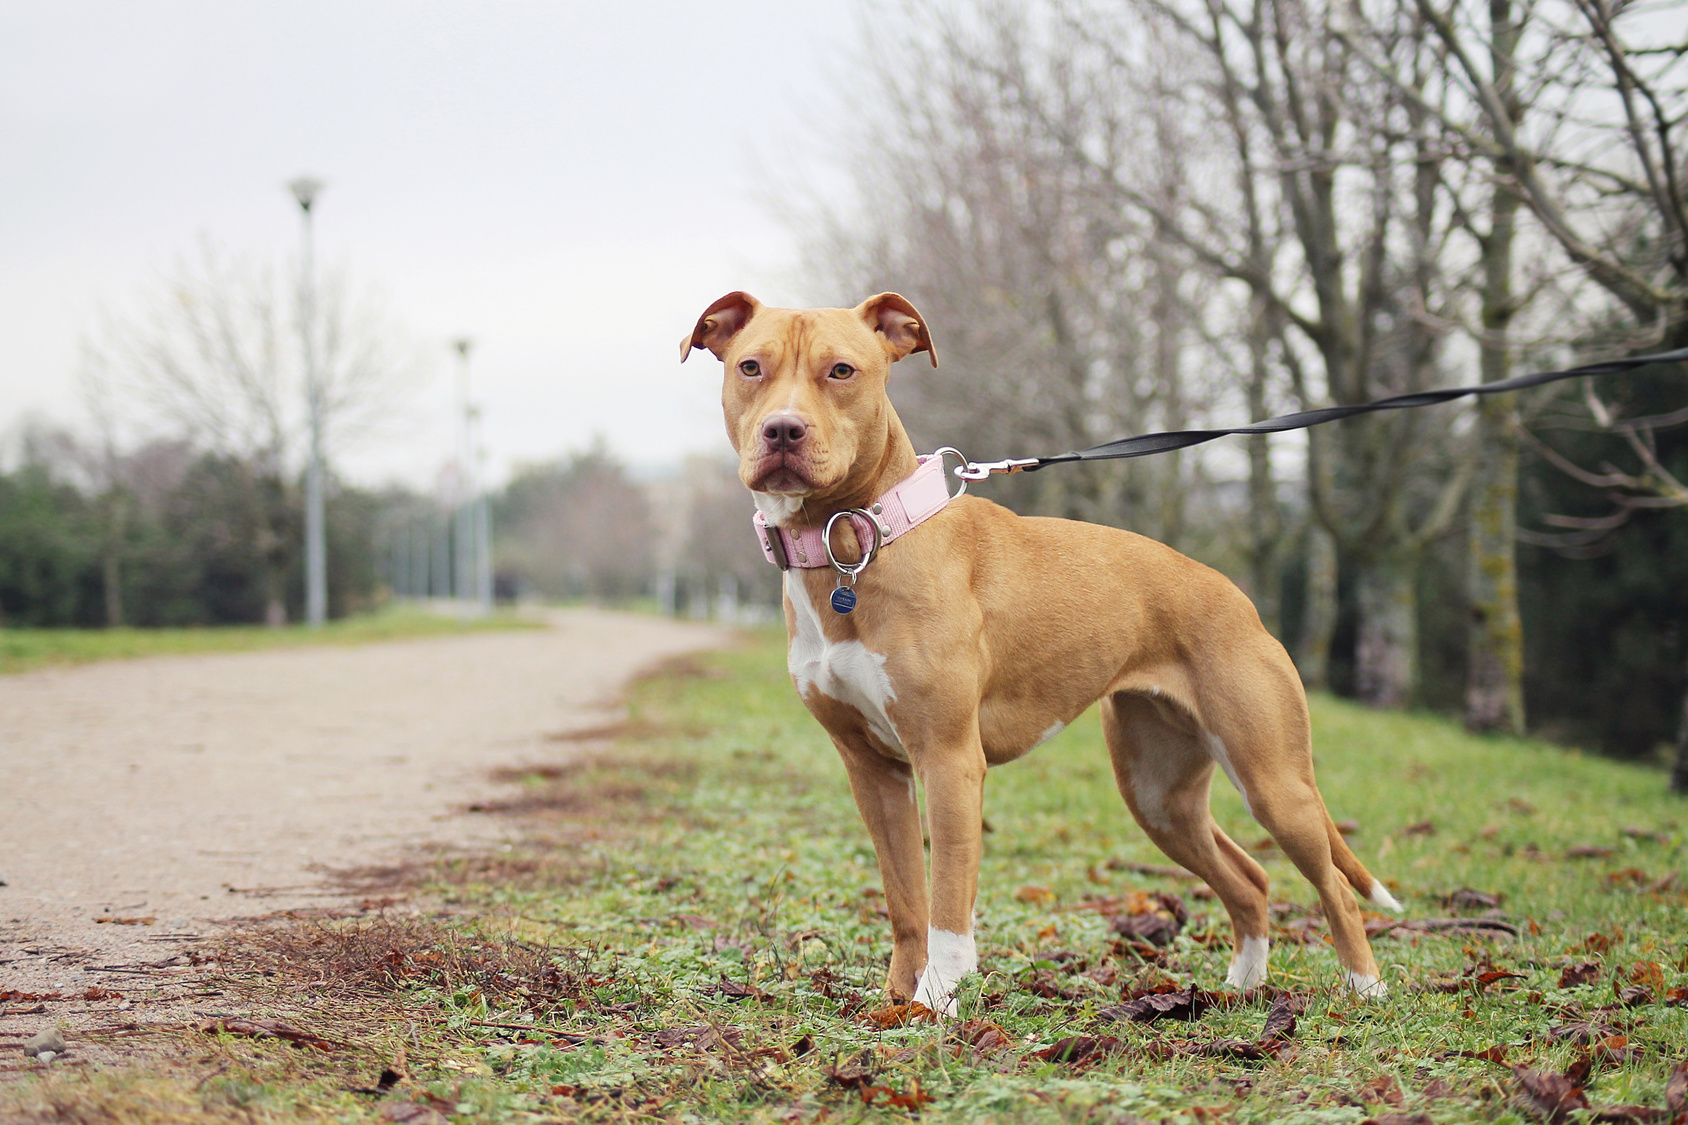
pixel 719 323
pixel 899 324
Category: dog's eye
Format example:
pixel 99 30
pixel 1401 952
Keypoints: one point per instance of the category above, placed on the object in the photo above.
pixel 750 369
pixel 842 371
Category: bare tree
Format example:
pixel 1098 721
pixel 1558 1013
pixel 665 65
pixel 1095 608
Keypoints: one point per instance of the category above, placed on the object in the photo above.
pixel 1331 215
pixel 206 352
pixel 1064 322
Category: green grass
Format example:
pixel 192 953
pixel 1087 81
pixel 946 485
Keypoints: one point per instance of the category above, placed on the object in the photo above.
pixel 24 649
pixel 757 870
pixel 717 841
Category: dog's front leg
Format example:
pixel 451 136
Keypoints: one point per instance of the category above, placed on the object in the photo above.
pixel 884 792
pixel 954 780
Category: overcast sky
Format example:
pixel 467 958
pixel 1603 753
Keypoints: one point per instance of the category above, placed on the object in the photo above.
pixel 568 183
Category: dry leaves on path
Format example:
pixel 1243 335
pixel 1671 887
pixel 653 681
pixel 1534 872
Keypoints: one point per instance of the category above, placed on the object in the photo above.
pixel 267 1029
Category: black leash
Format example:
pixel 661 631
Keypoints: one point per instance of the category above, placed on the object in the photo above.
pixel 1147 444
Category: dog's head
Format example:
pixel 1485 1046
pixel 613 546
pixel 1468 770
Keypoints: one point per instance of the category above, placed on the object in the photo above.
pixel 804 389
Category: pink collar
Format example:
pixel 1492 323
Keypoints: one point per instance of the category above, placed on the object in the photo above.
pixel 905 506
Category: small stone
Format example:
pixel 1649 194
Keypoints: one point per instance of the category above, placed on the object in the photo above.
pixel 49 1042
pixel 47 1057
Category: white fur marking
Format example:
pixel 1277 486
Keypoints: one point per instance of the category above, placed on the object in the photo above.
pixel 776 507
pixel 1248 964
pixel 843 670
pixel 1050 733
pixel 1217 748
pixel 1383 900
pixel 949 957
pixel 1367 986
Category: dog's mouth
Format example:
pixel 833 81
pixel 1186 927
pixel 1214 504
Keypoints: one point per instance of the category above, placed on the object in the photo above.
pixel 781 472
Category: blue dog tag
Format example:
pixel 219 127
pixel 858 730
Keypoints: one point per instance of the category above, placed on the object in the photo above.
pixel 843 600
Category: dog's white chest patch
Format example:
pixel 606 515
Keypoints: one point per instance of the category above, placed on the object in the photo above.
pixel 776 507
pixel 846 671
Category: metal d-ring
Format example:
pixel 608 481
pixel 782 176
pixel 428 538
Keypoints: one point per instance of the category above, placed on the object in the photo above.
pixel 850 571
pixel 939 453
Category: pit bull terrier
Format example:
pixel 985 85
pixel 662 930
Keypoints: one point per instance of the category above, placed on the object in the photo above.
pixel 967 635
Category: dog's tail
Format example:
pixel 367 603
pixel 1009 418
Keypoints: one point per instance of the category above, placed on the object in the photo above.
pixel 1365 884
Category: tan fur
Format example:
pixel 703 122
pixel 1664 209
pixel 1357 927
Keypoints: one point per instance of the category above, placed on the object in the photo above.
pixel 993 627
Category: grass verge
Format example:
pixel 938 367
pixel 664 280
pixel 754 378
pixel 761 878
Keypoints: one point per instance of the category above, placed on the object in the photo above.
pixel 24 649
pixel 695 933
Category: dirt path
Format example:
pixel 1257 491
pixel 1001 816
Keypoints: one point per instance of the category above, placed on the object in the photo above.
pixel 188 790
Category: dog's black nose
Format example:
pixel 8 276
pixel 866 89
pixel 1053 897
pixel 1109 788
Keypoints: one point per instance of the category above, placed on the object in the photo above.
pixel 784 431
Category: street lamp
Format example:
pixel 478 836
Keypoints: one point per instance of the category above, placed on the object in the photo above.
pixel 468 534
pixel 305 191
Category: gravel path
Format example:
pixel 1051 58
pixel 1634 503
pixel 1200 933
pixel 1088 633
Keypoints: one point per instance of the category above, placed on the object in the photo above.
pixel 189 790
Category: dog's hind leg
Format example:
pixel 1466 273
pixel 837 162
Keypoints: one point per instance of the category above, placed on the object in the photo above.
pixel 1269 755
pixel 1164 772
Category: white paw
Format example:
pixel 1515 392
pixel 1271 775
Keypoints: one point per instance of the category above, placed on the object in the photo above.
pixel 935 993
pixel 1367 987
pixel 1248 966
pixel 949 957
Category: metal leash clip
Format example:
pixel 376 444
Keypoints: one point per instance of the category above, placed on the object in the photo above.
pixel 982 469
pixel 844 597
pixel 952 451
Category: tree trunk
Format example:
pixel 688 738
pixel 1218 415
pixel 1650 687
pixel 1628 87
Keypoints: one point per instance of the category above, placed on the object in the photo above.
pixel 1494 690
pixel 112 576
pixel 1319 616
pixel 1265 527
pixel 111 560
pixel 1386 653
pixel 1679 775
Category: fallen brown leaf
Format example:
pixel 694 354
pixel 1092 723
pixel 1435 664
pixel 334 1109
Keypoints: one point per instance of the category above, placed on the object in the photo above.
pixel 1495 1054
pixel 1581 1031
pixel 1587 851
pixel 146 921
pixel 1422 828
pixel 1468 898
pixel 1575 976
pixel 1633 995
pixel 1077 1049
pixel 1676 1089
pixel 732 990
pixel 1186 1004
pixel 1550 1096
pixel 1156 929
pixel 1650 974
pixel 896 1015
pixel 1280 1019
pixel 984 1036
pixel 1034 894
pixel 913 1100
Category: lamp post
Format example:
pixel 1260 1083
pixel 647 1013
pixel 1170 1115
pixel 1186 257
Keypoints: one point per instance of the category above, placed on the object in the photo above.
pixel 483 524
pixel 468 537
pixel 305 192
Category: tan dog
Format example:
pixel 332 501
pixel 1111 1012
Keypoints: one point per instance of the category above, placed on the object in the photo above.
pixel 981 633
